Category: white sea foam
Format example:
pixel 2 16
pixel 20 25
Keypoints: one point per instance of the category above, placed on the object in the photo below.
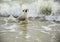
pixel 46 28
pixel 27 36
pixel 14 8
pixel 11 28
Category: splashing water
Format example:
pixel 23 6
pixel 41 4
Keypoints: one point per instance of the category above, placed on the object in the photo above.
pixel 13 8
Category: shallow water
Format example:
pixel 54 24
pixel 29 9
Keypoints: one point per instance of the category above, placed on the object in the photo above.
pixel 31 31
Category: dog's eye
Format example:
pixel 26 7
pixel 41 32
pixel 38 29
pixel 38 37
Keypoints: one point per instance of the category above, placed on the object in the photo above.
pixel 25 10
